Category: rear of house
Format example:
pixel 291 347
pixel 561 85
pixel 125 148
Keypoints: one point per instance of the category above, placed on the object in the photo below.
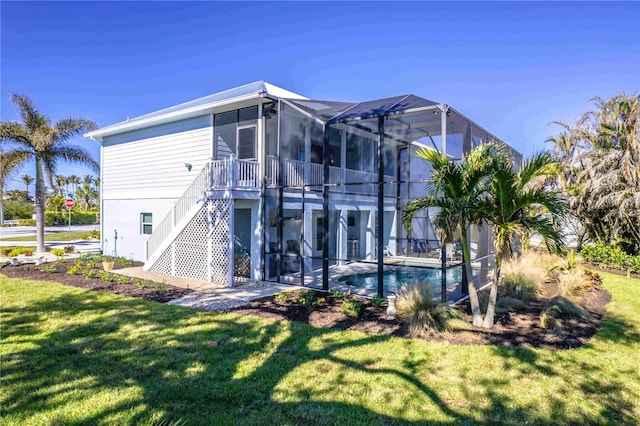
pixel 259 183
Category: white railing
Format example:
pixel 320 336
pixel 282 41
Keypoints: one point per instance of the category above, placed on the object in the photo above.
pixel 189 198
pixel 234 173
pixel 294 171
pixel 272 171
pixel 223 174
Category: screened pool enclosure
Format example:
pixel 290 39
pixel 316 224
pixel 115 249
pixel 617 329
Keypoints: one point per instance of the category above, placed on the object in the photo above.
pixel 337 178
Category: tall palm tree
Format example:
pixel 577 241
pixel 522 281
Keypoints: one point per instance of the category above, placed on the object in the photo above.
pixel 457 190
pixel 28 180
pixel 74 181
pixel 520 203
pixel 87 195
pixel 47 143
pixel 59 183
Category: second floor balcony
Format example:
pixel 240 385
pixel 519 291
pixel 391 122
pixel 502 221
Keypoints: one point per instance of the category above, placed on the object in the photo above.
pixel 232 173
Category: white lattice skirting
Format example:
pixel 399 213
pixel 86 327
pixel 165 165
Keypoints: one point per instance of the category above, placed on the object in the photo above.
pixel 202 249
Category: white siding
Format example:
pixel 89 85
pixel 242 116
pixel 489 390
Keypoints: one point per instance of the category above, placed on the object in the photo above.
pixel 124 215
pixel 150 163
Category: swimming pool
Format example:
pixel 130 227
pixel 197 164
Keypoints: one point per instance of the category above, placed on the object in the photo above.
pixel 395 277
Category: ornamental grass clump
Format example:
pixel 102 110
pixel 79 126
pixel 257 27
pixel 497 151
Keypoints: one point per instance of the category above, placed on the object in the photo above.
pixel 417 306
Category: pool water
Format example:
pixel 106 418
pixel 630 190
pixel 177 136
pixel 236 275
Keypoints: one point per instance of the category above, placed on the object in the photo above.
pixel 397 276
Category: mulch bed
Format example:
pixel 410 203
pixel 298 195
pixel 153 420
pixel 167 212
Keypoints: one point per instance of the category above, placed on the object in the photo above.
pixel 148 290
pixel 512 329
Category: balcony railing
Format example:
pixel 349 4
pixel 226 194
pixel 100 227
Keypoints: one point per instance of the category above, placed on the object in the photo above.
pixel 233 173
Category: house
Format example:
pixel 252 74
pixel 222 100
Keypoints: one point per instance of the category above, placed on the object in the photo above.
pixel 260 183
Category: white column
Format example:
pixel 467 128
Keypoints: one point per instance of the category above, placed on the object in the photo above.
pixel 307 152
pixel 261 147
pixel 371 237
pixel 342 238
pixel 256 240
pixel 308 239
pixel 392 218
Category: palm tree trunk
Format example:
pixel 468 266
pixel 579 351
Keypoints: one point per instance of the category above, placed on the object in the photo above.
pixel 39 207
pixel 493 298
pixel 473 288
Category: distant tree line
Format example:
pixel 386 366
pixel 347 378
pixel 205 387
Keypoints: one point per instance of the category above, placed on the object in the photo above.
pixel 599 158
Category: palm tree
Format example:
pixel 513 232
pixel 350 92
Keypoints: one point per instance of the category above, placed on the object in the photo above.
pixel 457 190
pixel 74 180
pixel 87 195
pixel 48 144
pixel 601 162
pixel 520 203
pixel 60 181
pixel 27 179
pixel 9 164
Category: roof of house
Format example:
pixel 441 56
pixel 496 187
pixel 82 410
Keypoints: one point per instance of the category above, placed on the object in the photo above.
pixel 408 117
pixel 258 89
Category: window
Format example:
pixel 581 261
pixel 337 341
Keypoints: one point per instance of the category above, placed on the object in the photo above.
pixel 247 143
pixel 146 220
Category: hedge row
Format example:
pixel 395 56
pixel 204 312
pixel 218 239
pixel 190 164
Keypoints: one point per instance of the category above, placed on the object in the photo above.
pixel 57 218
pixel 611 257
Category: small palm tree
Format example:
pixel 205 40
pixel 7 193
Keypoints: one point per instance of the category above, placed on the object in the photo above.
pixel 48 144
pixel 28 180
pixel 520 203
pixel 456 190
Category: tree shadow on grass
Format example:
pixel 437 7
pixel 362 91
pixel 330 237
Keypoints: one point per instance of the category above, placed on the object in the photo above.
pixel 104 346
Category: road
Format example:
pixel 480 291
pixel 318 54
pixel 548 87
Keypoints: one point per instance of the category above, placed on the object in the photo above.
pixel 23 231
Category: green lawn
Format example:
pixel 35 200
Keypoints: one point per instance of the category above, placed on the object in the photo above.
pixel 78 357
pixel 58 236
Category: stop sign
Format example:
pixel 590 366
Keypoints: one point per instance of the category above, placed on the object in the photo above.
pixel 69 202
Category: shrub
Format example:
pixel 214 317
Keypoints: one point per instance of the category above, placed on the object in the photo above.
pixel 351 307
pixel 48 268
pixel 560 306
pixel 416 306
pixel 58 252
pixel 517 285
pixel 337 294
pixel 90 273
pixel 309 299
pixel 281 298
pixel 95 234
pixel 378 301
pixel 140 283
pixel 612 257
pixel 161 287
pixel 122 279
pixel 73 270
pixel 17 251
pixel 5 251
pixel 69 249
pixel 106 277
pixel 26 222
pixel 550 323
pixel 123 261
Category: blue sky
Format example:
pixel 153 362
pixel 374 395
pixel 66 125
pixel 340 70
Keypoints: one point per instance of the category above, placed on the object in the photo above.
pixel 511 66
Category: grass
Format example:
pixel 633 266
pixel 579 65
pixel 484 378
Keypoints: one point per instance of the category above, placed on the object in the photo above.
pixel 58 236
pixel 71 356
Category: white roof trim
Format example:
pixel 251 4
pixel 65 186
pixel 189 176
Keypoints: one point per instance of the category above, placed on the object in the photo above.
pixel 127 126
pixel 158 118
